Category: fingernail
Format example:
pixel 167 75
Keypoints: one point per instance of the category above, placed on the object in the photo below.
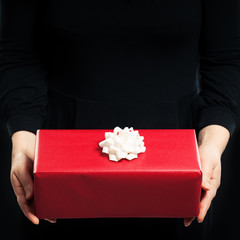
pixel 200 221
pixel 28 194
pixel 36 221
pixel 51 220
pixel 206 186
pixel 189 223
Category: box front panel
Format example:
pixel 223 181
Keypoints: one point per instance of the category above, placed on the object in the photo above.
pixel 96 195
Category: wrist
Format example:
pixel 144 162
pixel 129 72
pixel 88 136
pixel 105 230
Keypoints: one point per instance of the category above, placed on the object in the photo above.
pixel 23 142
pixel 214 136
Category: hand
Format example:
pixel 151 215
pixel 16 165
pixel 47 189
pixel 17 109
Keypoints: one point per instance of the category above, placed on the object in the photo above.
pixel 23 147
pixel 212 142
pixel 211 177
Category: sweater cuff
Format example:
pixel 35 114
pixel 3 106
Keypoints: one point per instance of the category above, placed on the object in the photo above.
pixel 217 116
pixel 24 123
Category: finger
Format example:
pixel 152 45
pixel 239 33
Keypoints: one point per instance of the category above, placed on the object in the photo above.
pixel 216 176
pixel 206 174
pixel 188 221
pixel 23 172
pixel 205 203
pixel 208 195
pixel 17 186
pixel 51 220
pixel 28 209
pixel 26 206
pixel 27 180
pixel 27 183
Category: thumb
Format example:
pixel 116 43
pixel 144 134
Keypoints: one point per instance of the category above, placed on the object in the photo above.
pixel 22 170
pixel 25 177
pixel 27 183
pixel 206 175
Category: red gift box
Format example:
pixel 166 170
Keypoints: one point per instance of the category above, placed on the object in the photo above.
pixel 74 179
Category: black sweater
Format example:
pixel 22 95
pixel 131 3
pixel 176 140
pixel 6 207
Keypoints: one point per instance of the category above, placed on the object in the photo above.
pixel 119 50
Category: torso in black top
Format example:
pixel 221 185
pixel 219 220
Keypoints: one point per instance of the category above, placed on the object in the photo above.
pixel 121 50
pixel 135 51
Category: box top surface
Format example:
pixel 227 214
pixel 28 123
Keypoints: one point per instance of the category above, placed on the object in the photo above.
pixel 78 151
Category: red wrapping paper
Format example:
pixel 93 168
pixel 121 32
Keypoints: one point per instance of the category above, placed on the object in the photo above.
pixel 74 179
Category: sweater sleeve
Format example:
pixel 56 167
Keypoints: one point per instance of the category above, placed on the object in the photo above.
pixel 23 79
pixel 219 64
